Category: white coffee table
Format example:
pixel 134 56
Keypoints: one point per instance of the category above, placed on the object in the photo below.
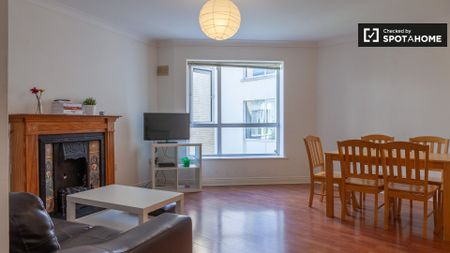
pixel 126 206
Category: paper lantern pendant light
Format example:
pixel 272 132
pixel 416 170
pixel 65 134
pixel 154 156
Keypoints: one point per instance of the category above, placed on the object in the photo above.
pixel 219 19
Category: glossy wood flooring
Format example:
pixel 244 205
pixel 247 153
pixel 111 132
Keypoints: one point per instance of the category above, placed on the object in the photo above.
pixel 276 219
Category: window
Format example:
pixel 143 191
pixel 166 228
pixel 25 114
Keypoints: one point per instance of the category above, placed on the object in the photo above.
pixel 231 116
pixel 250 73
pixel 203 95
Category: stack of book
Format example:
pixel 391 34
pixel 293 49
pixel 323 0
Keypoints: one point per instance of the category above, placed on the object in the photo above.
pixel 65 106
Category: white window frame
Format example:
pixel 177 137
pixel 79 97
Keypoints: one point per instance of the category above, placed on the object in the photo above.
pixel 219 125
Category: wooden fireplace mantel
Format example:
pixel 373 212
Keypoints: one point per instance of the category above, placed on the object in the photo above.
pixel 25 130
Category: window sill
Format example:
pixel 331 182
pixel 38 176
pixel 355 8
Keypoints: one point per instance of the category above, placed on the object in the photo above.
pixel 244 157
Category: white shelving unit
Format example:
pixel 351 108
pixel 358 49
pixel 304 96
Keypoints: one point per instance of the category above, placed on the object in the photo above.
pixel 168 171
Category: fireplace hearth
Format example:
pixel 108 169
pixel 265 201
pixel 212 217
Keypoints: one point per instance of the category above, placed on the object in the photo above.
pixel 69 163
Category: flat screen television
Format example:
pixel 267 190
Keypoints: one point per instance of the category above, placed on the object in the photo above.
pixel 166 126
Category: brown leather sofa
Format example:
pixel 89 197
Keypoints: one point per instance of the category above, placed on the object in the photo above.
pixel 32 230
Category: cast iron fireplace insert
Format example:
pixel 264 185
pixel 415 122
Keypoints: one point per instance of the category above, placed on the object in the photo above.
pixel 69 163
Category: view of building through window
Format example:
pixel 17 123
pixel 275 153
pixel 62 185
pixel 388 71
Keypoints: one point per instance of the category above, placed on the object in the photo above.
pixel 235 109
pixel 258 72
pixel 260 111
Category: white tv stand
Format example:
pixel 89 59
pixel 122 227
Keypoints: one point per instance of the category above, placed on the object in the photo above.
pixel 168 171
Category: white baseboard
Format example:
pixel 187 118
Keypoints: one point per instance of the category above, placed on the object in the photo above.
pixel 255 181
pixel 245 181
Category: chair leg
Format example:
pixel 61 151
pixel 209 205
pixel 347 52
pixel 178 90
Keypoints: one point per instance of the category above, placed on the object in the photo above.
pixel 341 195
pixel 410 204
pixel 355 204
pixel 387 207
pixel 435 211
pixel 396 203
pixel 344 203
pixel 399 207
pixel 361 199
pixel 348 197
pixel 425 219
pixel 322 191
pixel 311 194
pixel 440 209
pixel 375 214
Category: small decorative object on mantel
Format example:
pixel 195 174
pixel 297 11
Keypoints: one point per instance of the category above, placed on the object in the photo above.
pixel 66 106
pixel 89 106
pixel 38 93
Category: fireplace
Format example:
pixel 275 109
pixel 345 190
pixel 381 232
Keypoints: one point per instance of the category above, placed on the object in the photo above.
pixel 69 163
pixel 40 148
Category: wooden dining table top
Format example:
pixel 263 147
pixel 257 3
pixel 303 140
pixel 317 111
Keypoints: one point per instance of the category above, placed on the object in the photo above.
pixel 433 157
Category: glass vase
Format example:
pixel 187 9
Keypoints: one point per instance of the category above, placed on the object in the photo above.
pixel 39 106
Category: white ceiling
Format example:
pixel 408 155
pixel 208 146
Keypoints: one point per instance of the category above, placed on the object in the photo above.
pixel 287 20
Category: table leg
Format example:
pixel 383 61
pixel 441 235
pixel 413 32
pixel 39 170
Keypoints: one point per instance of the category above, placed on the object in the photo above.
pixel 180 206
pixel 70 210
pixel 330 186
pixel 446 204
pixel 143 217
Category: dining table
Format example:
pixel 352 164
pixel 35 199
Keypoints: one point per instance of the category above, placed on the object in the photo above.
pixel 435 161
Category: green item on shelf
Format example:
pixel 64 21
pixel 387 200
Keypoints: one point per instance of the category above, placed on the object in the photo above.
pixel 186 162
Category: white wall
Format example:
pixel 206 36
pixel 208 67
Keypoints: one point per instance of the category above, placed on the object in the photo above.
pixel 74 58
pixel 4 168
pixel 300 62
pixel 402 92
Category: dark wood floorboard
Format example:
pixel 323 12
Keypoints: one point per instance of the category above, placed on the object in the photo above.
pixel 276 219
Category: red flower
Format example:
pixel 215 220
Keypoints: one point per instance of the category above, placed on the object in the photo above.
pixel 35 90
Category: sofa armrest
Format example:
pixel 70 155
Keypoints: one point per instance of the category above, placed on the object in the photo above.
pixel 165 233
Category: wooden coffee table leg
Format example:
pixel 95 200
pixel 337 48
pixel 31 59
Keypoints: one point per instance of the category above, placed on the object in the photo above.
pixel 180 206
pixel 70 210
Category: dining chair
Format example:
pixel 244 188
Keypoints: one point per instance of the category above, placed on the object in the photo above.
pixel 437 145
pixel 360 166
pixel 405 172
pixel 378 138
pixel 317 167
pixel 375 138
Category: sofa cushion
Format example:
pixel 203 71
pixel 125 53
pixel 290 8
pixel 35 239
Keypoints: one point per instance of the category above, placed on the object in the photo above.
pixel 30 227
pixel 92 235
pixel 65 230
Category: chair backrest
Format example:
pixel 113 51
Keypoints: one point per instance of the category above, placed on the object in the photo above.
pixel 405 163
pixel 437 145
pixel 378 138
pixel 315 152
pixel 360 159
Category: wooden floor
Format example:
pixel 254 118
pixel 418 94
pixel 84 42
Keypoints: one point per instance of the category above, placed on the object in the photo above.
pixel 276 219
